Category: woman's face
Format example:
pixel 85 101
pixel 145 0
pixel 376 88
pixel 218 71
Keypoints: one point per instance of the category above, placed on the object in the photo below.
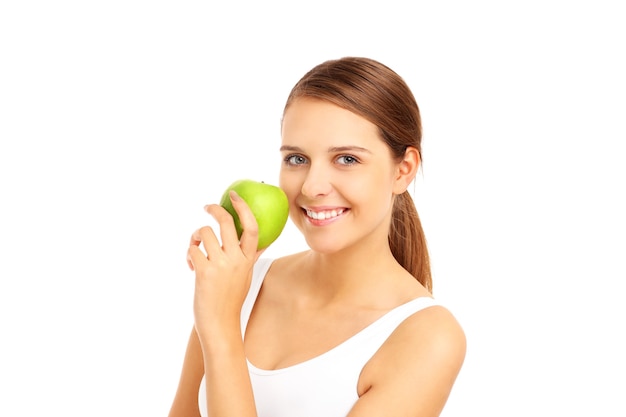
pixel 338 175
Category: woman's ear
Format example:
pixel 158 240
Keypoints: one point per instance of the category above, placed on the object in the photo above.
pixel 406 170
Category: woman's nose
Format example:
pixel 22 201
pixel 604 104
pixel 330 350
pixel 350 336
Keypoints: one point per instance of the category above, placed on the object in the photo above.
pixel 316 183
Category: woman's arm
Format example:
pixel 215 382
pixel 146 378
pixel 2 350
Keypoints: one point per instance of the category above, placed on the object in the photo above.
pixel 186 399
pixel 228 385
pixel 412 374
pixel 223 276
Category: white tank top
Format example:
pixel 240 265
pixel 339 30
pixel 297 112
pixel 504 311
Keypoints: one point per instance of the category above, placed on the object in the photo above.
pixel 322 386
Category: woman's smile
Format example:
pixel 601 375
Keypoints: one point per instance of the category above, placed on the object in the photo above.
pixel 323 216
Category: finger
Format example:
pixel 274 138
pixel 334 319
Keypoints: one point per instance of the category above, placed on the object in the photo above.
pixel 193 242
pixel 195 257
pixel 258 254
pixel 206 236
pixel 193 247
pixel 228 232
pixel 250 236
pixel 189 260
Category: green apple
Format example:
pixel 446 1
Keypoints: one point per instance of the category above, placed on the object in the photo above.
pixel 268 204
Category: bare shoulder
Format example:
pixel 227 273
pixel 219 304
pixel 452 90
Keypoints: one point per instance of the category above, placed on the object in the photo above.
pixel 288 265
pixel 433 326
pixel 418 364
pixel 291 260
pixel 432 335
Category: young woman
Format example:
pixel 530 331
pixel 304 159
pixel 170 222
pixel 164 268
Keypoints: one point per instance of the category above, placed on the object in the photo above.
pixel 348 327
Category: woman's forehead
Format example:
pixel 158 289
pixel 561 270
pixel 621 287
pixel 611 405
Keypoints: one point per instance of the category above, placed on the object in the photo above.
pixel 307 119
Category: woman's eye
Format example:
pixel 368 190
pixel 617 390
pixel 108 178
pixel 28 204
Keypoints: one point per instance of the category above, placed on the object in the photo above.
pixel 347 160
pixel 295 160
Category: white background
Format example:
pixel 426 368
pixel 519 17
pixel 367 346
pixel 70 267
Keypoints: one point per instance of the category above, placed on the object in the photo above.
pixel 119 120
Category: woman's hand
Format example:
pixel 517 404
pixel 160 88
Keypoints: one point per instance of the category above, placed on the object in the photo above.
pixel 224 273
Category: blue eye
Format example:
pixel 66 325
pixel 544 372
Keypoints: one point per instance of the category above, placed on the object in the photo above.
pixel 347 160
pixel 295 160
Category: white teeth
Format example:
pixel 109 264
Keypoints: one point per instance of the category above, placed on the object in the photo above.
pixel 323 215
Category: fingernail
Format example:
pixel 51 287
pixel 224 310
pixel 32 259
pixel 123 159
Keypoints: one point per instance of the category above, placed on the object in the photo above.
pixel 234 196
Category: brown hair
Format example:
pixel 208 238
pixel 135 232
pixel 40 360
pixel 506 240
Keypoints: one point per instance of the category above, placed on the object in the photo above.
pixel 374 91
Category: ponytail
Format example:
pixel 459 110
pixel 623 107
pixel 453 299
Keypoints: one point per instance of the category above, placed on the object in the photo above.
pixel 407 240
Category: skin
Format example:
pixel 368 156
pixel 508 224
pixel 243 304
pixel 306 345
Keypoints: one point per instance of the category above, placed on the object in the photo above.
pixel 333 160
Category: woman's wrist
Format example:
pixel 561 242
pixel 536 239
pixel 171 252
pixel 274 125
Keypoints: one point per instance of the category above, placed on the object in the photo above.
pixel 220 337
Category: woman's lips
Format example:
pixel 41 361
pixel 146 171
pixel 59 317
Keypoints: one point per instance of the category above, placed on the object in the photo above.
pixel 324 214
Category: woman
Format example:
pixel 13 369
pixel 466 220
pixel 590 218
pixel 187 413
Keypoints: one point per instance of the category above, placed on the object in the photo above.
pixel 348 327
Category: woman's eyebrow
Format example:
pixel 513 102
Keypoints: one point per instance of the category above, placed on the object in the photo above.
pixel 290 148
pixel 348 149
pixel 331 149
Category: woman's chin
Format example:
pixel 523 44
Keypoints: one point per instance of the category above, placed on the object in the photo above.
pixel 325 246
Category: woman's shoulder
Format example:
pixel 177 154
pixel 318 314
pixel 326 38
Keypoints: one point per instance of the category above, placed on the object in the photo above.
pixel 274 269
pixel 283 263
pixel 429 345
pixel 432 335
pixel 434 326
